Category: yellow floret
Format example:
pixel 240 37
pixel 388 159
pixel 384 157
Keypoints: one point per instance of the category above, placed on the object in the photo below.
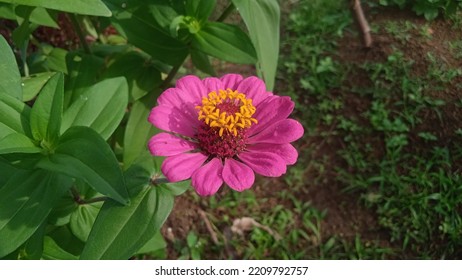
pixel 225 121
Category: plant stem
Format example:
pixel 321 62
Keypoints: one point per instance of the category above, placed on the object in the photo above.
pixel 226 12
pixel 79 200
pixel 24 60
pixel 95 200
pixel 80 34
pixel 175 69
pixel 157 181
pixel 170 76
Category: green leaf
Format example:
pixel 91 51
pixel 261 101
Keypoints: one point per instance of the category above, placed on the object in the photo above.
pixel 14 126
pixel 138 130
pixel 17 143
pixel 225 41
pixel 100 107
pixel 141 75
pixel 83 72
pixel 191 239
pixel 146 167
pixel 48 59
pixel 42 16
pixel 81 221
pixel 33 247
pixel 84 7
pixel 82 153
pixel 179 187
pixel 25 202
pixel 7 11
pixel 112 236
pixel 163 13
pixel 9 74
pixel 200 9
pixel 431 14
pixel 202 62
pixel 262 20
pixel 21 34
pixel 14 116
pixel 47 113
pixel 33 84
pixel 52 251
pixel 56 60
pixel 6 171
pixel 135 22
pixel 157 242
pixel 61 213
pixel 64 238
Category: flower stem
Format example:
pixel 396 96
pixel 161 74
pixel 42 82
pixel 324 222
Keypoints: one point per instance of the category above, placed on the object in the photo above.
pixel 157 181
pixel 175 69
pixel 79 200
pixel 80 34
pixel 170 76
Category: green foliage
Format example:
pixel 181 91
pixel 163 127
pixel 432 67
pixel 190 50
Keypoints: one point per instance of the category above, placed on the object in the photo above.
pixel 226 42
pixel 9 72
pixel 112 234
pixel 141 79
pixel 82 153
pixel 26 200
pixel 101 107
pixel 266 40
pixel 76 179
pixel 138 132
pixel 33 84
pixel 84 7
pixel 430 9
pixel 47 113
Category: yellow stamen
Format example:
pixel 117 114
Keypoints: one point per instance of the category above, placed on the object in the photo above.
pixel 226 121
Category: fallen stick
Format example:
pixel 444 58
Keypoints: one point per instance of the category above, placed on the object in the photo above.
pixel 362 23
pixel 208 225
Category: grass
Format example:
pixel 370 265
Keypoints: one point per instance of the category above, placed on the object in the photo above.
pixel 398 154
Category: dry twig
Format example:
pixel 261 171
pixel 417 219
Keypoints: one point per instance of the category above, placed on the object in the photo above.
pixel 362 22
pixel 208 225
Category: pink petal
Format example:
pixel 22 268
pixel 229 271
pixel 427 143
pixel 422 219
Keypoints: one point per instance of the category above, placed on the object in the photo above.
pixel 181 101
pixel 231 81
pixel 264 163
pixel 271 111
pixel 286 151
pixel 164 144
pixel 253 88
pixel 207 179
pixel 213 84
pixel 182 166
pixel 237 175
pixel 281 132
pixel 174 119
pixel 174 97
pixel 193 86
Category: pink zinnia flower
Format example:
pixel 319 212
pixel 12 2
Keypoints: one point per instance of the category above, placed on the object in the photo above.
pixel 222 131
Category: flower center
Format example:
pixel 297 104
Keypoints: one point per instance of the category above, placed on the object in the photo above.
pixel 226 116
pixel 227 111
pixel 225 146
